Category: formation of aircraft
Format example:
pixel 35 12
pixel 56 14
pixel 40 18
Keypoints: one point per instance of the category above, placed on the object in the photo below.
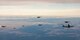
pixel 65 22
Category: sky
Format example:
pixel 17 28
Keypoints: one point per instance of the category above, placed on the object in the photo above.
pixel 65 8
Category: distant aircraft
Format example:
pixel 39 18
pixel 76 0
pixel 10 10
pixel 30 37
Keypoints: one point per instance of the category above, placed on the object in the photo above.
pixel 22 25
pixel 67 24
pixel 3 26
pixel 39 24
pixel 66 21
pixel 38 17
pixel 14 28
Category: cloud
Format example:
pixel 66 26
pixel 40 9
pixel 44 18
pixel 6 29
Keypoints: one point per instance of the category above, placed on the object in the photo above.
pixel 16 32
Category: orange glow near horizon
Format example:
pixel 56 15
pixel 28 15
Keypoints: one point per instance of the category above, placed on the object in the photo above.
pixel 40 12
pixel 40 9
